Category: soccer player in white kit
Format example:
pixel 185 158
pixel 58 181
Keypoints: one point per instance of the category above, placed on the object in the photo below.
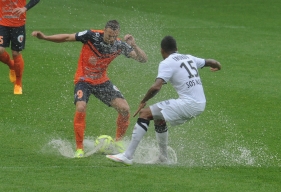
pixel 182 72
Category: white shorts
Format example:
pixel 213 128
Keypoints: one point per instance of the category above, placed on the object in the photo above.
pixel 176 111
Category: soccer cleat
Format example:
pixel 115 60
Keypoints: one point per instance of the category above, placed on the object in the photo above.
pixel 17 89
pixel 120 158
pixel 12 76
pixel 79 153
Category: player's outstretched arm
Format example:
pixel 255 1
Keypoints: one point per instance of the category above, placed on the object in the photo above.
pixel 138 54
pixel 153 90
pixel 58 38
pixel 213 64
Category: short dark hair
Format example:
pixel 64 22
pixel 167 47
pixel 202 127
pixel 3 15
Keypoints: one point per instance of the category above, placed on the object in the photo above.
pixel 112 24
pixel 169 44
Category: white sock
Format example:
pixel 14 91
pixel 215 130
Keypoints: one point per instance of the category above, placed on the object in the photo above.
pixel 138 133
pixel 162 139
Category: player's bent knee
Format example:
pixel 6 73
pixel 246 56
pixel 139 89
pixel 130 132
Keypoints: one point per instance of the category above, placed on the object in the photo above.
pixel 81 106
pixel 15 53
pixel 145 113
pixel 125 110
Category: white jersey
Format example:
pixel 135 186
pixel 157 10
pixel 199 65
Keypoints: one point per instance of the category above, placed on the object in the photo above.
pixel 182 72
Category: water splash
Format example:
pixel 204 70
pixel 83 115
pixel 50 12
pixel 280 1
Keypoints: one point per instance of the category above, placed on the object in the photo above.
pixel 183 152
pixel 146 153
pixel 66 149
pixel 62 146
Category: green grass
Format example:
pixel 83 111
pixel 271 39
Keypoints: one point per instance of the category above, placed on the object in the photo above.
pixel 233 146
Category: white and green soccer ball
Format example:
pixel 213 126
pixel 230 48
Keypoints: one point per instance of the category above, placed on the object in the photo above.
pixel 104 144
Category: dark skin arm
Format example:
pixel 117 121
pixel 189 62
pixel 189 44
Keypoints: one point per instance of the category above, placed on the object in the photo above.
pixel 154 89
pixel 213 64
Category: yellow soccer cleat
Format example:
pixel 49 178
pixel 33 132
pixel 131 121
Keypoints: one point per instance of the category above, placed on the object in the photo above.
pixel 79 153
pixel 12 76
pixel 17 89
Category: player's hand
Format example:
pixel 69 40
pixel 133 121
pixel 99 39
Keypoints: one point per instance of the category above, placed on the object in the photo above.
pixel 19 11
pixel 218 67
pixel 130 40
pixel 214 69
pixel 142 105
pixel 38 34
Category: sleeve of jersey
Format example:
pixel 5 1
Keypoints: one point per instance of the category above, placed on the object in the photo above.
pixel 83 36
pixel 199 61
pixel 31 4
pixel 164 71
pixel 126 49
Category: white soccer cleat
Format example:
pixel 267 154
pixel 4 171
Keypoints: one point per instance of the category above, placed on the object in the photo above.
pixel 120 158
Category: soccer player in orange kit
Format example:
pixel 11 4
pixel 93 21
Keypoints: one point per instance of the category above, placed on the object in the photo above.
pixel 100 47
pixel 12 30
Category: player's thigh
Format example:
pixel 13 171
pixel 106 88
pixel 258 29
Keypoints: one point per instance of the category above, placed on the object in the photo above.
pixel 121 105
pixel 18 38
pixel 167 103
pixel 110 95
pixel 5 37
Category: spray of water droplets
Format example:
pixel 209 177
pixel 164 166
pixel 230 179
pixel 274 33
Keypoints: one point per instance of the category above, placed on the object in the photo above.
pixel 190 145
pixel 191 154
pixel 146 153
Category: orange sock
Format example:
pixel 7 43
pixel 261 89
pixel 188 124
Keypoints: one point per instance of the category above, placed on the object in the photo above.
pixel 122 126
pixel 5 58
pixel 79 128
pixel 19 65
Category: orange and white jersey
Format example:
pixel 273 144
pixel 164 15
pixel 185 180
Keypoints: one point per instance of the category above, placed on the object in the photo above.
pixel 96 56
pixel 7 17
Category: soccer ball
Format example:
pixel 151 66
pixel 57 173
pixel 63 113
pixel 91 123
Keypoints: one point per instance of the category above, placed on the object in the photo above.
pixel 104 144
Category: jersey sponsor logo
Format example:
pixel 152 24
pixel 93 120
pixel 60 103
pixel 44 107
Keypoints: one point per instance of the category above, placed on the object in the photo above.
pixel 82 33
pixel 93 60
pixel 7 9
pixel 93 72
pixel 9 6
pixel 193 83
pixel 10 16
pixel 20 38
